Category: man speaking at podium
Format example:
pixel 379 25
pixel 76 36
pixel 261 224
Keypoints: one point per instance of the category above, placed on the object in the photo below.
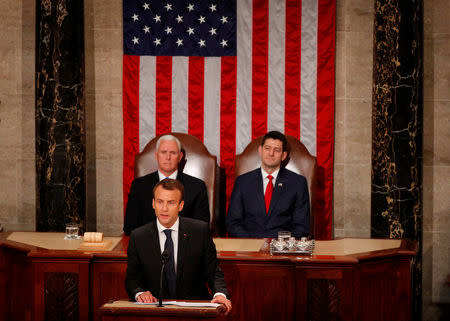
pixel 187 246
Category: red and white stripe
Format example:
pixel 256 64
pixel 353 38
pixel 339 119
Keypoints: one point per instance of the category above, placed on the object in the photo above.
pixel 281 79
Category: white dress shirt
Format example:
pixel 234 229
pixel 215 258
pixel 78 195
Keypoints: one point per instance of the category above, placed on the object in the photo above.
pixel 162 238
pixel 266 180
pixel 162 241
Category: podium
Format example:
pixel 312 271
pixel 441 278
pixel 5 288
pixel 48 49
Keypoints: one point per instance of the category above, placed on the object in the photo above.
pixel 125 310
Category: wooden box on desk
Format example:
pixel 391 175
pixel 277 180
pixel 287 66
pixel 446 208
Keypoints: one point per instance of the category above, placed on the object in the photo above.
pixel 125 310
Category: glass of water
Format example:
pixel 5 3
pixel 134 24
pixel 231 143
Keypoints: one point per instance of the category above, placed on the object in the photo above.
pixel 71 231
pixel 284 236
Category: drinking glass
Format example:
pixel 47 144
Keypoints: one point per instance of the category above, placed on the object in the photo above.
pixel 71 231
pixel 284 236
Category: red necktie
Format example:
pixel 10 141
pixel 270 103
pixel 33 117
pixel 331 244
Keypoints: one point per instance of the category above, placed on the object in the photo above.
pixel 268 194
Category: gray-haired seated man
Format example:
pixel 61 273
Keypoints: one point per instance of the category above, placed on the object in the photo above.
pixel 139 209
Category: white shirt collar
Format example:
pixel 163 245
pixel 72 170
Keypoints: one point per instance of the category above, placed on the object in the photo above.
pixel 174 227
pixel 162 176
pixel 274 174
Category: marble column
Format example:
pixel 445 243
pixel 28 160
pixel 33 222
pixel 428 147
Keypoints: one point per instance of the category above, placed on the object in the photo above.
pixel 397 128
pixel 60 115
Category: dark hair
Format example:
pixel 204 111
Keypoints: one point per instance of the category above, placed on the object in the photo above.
pixel 170 185
pixel 275 134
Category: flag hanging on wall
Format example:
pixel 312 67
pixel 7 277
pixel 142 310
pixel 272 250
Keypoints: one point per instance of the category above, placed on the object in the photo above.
pixel 228 71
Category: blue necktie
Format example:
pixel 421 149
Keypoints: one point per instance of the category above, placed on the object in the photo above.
pixel 171 277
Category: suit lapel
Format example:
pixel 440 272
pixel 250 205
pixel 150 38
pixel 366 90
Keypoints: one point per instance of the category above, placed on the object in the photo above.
pixel 183 245
pixel 259 196
pixel 258 181
pixel 277 191
pixel 180 177
pixel 153 180
pixel 154 245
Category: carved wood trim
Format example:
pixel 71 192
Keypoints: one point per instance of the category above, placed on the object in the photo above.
pixel 61 296
pixel 324 299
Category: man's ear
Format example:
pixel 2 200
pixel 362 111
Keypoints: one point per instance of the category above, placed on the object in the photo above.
pixel 260 150
pixel 283 156
pixel 153 203
pixel 180 206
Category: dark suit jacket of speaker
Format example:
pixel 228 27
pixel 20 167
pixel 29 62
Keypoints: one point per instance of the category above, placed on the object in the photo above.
pixel 289 207
pixel 197 263
pixel 139 207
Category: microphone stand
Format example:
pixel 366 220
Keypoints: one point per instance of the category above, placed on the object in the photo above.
pixel 164 258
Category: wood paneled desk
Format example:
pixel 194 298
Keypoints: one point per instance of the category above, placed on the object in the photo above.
pixel 346 279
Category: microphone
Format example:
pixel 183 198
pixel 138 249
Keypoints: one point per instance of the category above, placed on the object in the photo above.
pixel 165 256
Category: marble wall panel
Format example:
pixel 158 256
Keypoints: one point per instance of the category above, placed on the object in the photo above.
pixel 441 201
pixel 441 76
pixel 441 150
pixel 90 114
pixel 60 115
pixel 26 195
pixel 436 203
pixel 427 275
pixel 10 129
pixel 108 14
pixel 340 15
pixel 358 121
pixel 109 126
pixel 397 121
pixel 428 131
pixel 359 64
pixel 11 13
pixel 339 132
pixel 428 73
pixel 436 17
pixel 341 65
pixel 441 261
pixel 109 197
pixel 357 200
pixel 353 116
pixel 359 15
pixel 103 34
pixel 428 197
pixel 10 63
pixel 17 210
pixel 27 135
pixel 339 200
pixel 108 65
pixel 8 198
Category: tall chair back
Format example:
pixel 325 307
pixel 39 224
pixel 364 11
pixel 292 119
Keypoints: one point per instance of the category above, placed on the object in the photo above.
pixel 299 160
pixel 197 162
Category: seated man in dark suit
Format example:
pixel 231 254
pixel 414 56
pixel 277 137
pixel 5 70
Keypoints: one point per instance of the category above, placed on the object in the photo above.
pixel 191 253
pixel 271 198
pixel 139 207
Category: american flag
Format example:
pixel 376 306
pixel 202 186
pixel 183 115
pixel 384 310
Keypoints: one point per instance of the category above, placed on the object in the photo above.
pixel 228 71
pixel 180 28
